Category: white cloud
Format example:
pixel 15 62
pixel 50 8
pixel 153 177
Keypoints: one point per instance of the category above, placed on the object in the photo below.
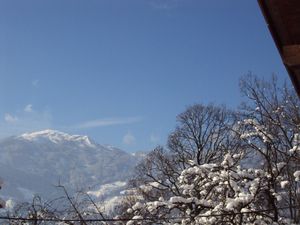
pixel 28 108
pixel 107 122
pixel 154 138
pixel 129 139
pixel 10 118
pixel 25 122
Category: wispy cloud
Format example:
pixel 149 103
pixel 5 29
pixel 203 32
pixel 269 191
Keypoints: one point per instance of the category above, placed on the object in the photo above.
pixel 10 118
pixel 129 139
pixel 28 108
pixel 107 122
pixel 22 121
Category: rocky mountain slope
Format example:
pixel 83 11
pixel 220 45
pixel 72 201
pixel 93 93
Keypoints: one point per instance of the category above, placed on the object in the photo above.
pixel 33 163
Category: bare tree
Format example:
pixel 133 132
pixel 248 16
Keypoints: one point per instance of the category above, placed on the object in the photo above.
pixel 272 120
pixel 204 134
pixel 70 209
pixel 34 211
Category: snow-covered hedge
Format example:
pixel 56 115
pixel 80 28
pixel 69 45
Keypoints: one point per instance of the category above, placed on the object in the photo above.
pixel 213 194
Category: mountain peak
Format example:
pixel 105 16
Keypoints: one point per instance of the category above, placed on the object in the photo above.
pixel 44 132
pixel 32 162
pixel 57 137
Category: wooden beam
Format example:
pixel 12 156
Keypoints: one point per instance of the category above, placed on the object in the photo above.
pixel 291 55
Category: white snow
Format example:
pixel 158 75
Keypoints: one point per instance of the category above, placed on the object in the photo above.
pixel 284 184
pixel 297 175
pixel 107 188
pixel 57 137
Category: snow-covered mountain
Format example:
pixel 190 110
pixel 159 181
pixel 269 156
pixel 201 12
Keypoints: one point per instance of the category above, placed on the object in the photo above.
pixel 33 163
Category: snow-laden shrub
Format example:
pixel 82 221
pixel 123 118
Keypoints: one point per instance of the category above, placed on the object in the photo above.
pixel 213 194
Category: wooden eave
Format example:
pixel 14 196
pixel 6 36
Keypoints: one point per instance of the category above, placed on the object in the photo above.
pixel 283 19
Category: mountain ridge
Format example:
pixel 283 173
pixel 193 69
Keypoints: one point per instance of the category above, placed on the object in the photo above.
pixel 33 163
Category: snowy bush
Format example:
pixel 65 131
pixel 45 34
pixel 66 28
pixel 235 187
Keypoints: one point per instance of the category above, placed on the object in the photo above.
pixel 213 194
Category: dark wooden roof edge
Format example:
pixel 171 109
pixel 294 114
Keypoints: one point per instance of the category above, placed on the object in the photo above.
pixel 295 80
pixel 270 23
pixel 272 28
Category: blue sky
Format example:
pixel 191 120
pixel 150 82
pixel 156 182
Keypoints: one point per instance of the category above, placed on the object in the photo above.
pixel 121 70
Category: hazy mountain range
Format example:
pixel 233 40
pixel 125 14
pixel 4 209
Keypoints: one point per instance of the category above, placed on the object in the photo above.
pixel 33 163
